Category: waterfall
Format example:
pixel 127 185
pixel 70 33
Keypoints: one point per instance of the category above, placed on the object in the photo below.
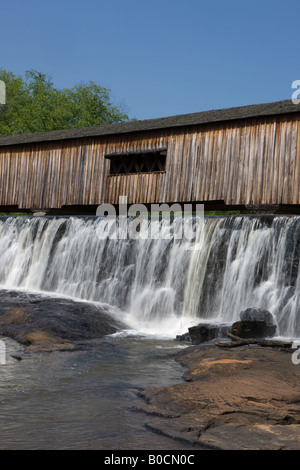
pixel 160 285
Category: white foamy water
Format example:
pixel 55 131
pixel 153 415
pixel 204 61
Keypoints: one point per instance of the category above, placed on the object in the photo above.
pixel 158 286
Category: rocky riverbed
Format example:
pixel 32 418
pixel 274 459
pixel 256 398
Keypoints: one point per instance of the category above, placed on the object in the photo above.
pixel 239 398
pixel 246 397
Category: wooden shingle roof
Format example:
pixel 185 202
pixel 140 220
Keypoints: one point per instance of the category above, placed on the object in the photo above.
pixel 204 117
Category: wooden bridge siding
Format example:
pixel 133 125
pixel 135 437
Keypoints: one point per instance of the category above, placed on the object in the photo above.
pixel 139 188
pixel 50 175
pixel 252 161
pixel 257 162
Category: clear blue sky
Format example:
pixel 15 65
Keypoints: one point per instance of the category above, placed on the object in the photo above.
pixel 159 58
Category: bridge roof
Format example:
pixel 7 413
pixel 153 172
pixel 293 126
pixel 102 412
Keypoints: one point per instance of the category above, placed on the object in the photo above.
pixel 183 120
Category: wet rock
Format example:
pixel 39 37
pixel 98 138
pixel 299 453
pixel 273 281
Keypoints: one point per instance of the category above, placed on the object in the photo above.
pixel 257 314
pixel 50 324
pixel 203 332
pixel 245 398
pixel 255 323
pixel 184 337
pixel 17 358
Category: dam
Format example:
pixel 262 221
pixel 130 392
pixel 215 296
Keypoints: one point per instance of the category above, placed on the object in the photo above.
pixel 161 286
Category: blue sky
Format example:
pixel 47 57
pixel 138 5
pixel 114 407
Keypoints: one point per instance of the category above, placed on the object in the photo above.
pixel 159 58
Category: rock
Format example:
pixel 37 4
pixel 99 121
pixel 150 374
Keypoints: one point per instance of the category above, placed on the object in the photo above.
pixel 257 314
pixel 17 358
pixel 184 337
pixel 255 323
pixel 204 332
pixel 253 329
pixel 51 324
pixel 239 399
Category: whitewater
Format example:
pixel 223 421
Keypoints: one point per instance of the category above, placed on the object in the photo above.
pixel 158 285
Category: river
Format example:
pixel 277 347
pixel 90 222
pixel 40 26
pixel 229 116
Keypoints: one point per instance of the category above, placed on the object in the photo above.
pixel 85 400
pixel 157 288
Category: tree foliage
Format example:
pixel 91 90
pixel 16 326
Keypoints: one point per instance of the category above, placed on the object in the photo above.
pixel 34 104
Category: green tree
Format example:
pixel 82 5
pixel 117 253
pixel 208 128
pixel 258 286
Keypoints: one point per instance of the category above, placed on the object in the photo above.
pixel 34 104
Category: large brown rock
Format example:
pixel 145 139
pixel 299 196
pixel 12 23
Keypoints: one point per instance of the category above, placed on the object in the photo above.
pixel 239 398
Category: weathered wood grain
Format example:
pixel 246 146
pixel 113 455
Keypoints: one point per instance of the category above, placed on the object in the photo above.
pixel 250 161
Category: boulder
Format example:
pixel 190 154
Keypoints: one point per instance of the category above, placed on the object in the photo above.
pixel 257 314
pixel 255 323
pixel 203 333
pixel 49 324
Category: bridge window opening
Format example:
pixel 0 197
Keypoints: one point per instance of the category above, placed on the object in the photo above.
pixel 144 162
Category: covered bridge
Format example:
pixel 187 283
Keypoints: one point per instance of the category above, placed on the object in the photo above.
pixel 230 158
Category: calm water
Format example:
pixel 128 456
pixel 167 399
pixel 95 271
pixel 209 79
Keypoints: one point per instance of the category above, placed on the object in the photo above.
pixel 84 399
